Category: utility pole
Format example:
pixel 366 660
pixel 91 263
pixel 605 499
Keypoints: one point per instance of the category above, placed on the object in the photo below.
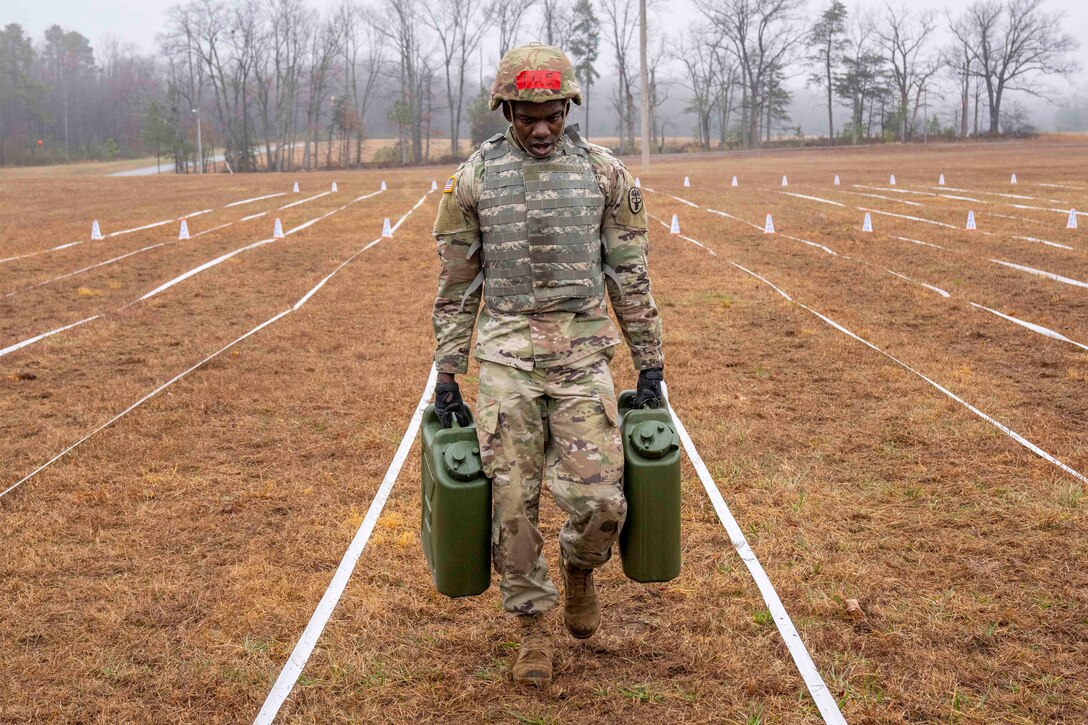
pixel 199 143
pixel 644 72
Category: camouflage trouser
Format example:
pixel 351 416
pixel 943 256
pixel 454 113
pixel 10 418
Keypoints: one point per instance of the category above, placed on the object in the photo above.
pixel 561 423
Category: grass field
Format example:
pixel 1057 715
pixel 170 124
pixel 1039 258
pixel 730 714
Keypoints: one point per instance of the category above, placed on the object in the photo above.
pixel 163 570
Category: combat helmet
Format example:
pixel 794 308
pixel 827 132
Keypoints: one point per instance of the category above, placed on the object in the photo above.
pixel 535 73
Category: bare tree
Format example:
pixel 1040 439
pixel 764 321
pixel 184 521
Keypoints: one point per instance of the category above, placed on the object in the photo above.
pixel 359 30
pixel 763 36
pixel 695 52
pixel 1011 43
pixel 556 18
pixel 621 23
pixel 904 39
pixel 507 17
pixel 460 26
pixel 826 41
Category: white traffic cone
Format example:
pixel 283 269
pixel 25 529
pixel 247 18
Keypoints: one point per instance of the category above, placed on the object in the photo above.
pixel 785 181
pixel 734 182
pixel 184 233
pixel 434 185
pixel 387 230
pixel 891 180
pixel 334 187
pixel 768 226
pixel 295 189
pixel 687 181
pixel 638 183
pixel 277 231
pixel 867 225
pixel 971 221
pixel 837 180
pixel 1013 179
pixel 674 228
pixel 384 187
pixel 941 182
pixel 1072 223
pixel 96 232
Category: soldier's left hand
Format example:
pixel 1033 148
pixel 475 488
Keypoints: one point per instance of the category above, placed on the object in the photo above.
pixel 648 393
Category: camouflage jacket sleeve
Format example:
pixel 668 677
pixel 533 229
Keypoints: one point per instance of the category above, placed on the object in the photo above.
pixel 624 231
pixel 457 230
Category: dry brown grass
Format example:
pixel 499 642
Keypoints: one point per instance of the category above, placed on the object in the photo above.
pixel 164 571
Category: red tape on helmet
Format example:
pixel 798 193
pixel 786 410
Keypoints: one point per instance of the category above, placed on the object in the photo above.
pixel 551 80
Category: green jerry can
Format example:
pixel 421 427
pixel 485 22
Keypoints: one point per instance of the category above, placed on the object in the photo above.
pixel 456 508
pixel 650 538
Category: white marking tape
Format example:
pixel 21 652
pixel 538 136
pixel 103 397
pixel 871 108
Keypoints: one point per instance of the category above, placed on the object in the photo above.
pixel 195 213
pixel 1041 273
pixel 303 201
pixel 1014 218
pixel 178 377
pixel 1063 186
pixel 830 251
pixel 1043 241
pixel 973 191
pixel 87 269
pixel 894 191
pixel 1045 331
pixel 197 270
pixel 885 198
pixel 696 242
pixel 135 405
pixel 256 198
pixel 812 198
pixel 919 241
pixel 213 229
pixel 295 663
pixel 1000 426
pixel 938 290
pixel 19 345
pixel 140 229
pixel 964 198
pixel 253 216
pixel 912 218
pixel 825 702
pixel 1047 208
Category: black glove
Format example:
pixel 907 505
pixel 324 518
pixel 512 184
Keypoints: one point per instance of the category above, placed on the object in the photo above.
pixel 448 403
pixel 649 393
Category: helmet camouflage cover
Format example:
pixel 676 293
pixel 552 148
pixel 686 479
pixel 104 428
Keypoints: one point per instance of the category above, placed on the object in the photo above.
pixel 534 73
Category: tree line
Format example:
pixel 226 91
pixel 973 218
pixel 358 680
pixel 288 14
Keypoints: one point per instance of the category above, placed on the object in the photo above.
pixel 278 85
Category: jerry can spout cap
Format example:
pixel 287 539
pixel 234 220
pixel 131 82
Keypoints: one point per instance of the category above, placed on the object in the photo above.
pixel 462 460
pixel 654 439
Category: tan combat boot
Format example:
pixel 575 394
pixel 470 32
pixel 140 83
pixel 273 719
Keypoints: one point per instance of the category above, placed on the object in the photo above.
pixel 581 609
pixel 534 663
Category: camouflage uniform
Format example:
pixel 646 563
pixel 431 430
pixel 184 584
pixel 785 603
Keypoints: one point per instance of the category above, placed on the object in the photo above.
pixel 546 403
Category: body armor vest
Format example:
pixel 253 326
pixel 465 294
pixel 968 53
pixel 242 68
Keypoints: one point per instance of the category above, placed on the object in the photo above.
pixel 540 228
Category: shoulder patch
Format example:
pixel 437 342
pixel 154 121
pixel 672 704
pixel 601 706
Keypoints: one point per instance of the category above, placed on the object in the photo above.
pixel 450 183
pixel 634 199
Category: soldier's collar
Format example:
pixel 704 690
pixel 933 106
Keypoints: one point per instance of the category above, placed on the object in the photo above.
pixel 564 139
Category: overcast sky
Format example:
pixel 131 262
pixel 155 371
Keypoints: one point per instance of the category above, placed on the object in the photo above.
pixel 137 22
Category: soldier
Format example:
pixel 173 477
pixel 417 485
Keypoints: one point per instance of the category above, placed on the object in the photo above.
pixel 541 224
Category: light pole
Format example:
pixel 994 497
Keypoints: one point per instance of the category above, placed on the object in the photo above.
pixel 199 142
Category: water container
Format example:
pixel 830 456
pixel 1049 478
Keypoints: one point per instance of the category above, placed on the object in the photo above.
pixel 650 538
pixel 455 508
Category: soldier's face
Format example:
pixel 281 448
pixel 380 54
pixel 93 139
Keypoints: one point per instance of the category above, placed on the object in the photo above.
pixel 537 125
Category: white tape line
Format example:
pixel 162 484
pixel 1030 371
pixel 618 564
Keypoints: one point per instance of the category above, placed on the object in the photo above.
pixel 964 198
pixel 1042 273
pixel 213 229
pixel 1047 208
pixel 1045 331
pixel 140 229
pixel 88 269
pixel 1043 241
pixel 1000 426
pixel 893 191
pixel 973 191
pixel 253 216
pixel 884 198
pixel 197 270
pixel 938 290
pixel 825 702
pixel 830 251
pixel 912 218
pixel 812 198
pixel 173 380
pixel 305 646
pixel 303 201
pixel 919 241
pixel 1063 186
pixel 19 345
pixel 256 198
pixel 35 254
pixel 195 213
pixel 1014 218
pixel 686 238
pixel 135 405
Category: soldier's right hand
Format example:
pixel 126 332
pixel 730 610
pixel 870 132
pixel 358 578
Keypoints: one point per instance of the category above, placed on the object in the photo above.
pixel 448 403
